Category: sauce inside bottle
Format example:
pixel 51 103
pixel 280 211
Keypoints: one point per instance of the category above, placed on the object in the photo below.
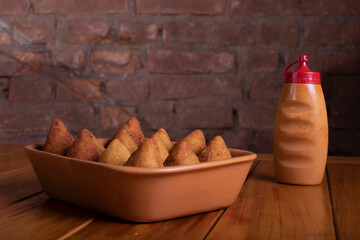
pixel 301 128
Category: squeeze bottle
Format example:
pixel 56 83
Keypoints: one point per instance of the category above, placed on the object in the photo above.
pixel 301 128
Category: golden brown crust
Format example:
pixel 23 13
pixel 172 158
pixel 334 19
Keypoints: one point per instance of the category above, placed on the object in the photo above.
pixel 196 141
pixel 116 153
pixel 163 135
pixel 133 128
pixel 181 154
pixel 161 146
pixel 86 147
pixel 59 139
pixel 123 136
pixel 147 156
pixel 215 151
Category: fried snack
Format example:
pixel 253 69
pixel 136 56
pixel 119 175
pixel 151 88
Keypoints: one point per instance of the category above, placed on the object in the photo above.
pixel 196 141
pixel 163 135
pixel 161 146
pixel 215 151
pixel 147 156
pixel 86 147
pixel 181 154
pixel 133 128
pixel 116 153
pixel 123 136
pixel 58 139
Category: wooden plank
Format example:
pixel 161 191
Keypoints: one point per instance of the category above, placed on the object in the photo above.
pixel 17 185
pixel 342 159
pixel 5 147
pixel 13 160
pixel 40 217
pixel 193 227
pixel 266 209
pixel 344 182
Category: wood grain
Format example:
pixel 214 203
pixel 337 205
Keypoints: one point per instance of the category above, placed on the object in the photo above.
pixel 40 217
pixel 18 185
pixel 345 191
pixel 266 209
pixel 342 159
pixel 4 147
pixel 13 160
pixel 193 227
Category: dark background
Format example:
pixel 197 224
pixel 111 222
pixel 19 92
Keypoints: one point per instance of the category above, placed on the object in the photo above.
pixel 216 65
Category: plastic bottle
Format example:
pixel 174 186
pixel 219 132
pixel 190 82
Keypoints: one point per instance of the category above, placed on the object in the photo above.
pixel 301 128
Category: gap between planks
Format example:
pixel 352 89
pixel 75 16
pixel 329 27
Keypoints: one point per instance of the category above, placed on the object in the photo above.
pixel 331 203
pixel 221 213
pixel 21 199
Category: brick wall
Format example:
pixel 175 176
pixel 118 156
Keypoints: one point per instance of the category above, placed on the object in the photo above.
pixel 210 64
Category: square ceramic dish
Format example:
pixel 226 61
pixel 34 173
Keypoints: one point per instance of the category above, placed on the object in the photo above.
pixel 141 194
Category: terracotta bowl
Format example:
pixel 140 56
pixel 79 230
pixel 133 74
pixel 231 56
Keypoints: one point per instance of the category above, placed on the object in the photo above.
pixel 141 194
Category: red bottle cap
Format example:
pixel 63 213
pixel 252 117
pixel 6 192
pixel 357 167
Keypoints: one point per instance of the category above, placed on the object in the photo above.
pixel 302 74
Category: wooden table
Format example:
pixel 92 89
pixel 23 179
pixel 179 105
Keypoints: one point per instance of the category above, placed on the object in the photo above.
pixel 264 208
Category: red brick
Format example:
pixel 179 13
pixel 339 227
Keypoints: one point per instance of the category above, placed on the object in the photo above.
pixel 159 114
pixel 231 34
pixel 14 7
pixel 345 115
pixel 113 117
pixel 31 63
pixel 172 61
pixel 39 30
pixel 83 7
pixel 324 35
pixel 28 118
pixel 29 90
pixel 233 139
pixel 21 63
pixel 115 61
pixel 4 37
pixel 346 86
pixel 78 90
pixel 128 89
pixel 263 142
pixel 275 33
pixel 262 61
pixel 8 65
pixel 210 7
pixel 340 8
pixel 136 33
pixel 178 32
pixel 353 32
pixel 215 116
pixel 175 87
pixel 224 89
pixel 266 89
pixel 299 7
pixel 342 62
pixel 328 62
pixel 79 32
pixel 71 60
pixel 257 116
pixel 4 87
pixel 46 6
pixel 273 8
pixel 23 138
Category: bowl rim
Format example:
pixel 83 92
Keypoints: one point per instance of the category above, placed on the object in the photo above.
pixel 241 156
